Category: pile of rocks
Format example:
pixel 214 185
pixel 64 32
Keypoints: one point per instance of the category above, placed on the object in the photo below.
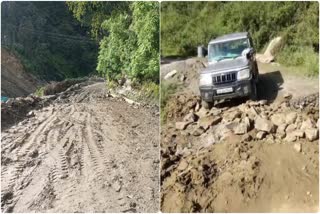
pixel 251 120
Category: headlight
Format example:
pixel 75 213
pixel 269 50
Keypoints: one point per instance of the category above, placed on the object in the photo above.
pixel 243 74
pixel 205 79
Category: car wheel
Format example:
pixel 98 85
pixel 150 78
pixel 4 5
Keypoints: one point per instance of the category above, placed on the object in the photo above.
pixel 206 105
pixel 254 94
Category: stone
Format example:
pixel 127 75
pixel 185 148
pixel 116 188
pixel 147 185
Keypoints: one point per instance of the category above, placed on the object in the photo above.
pixel 206 122
pixel 31 114
pixel 197 108
pixel 260 135
pixel 230 116
pixel 278 119
pixel 291 117
pixel 182 78
pixel 297 147
pixel 298 133
pixel 202 112
pixel 182 165
pixel 290 138
pixel 198 131
pixel 241 128
pixel 246 137
pixel 182 125
pixel 307 124
pixel 263 102
pixel 312 134
pixel 287 95
pixel 170 74
pixel 263 124
pixel 191 117
pixel 116 186
pixel 290 128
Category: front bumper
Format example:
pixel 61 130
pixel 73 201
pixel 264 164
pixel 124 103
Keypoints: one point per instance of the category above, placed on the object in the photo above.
pixel 240 89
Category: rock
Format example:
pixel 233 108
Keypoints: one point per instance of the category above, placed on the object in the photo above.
pixel 297 147
pixel 287 95
pixel 182 165
pixel 34 153
pixel 202 112
pixel 298 133
pixel 291 117
pixel 197 107
pixel 206 122
pixel 182 125
pixel 170 74
pixel 278 119
pixel 241 128
pixel 290 128
pixel 116 186
pixel 182 78
pixel 307 124
pixel 230 116
pixel 198 131
pixel 262 124
pixel 221 131
pixel 290 138
pixel 31 114
pixel 191 117
pixel 260 135
pixel 246 137
pixel 311 134
pixel 263 102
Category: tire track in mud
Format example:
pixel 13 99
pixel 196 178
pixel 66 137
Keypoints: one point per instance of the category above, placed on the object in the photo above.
pixel 85 160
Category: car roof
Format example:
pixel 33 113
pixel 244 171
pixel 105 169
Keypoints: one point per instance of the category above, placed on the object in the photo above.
pixel 229 37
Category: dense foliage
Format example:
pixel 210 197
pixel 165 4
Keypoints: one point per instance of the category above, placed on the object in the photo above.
pixel 128 34
pixel 185 25
pixel 49 40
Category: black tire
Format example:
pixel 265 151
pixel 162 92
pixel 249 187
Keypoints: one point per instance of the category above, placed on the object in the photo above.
pixel 254 94
pixel 206 105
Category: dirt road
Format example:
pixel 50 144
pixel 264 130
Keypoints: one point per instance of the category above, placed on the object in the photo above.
pixel 241 156
pixel 86 152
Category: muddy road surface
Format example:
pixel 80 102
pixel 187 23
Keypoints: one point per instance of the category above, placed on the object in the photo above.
pixel 241 156
pixel 84 152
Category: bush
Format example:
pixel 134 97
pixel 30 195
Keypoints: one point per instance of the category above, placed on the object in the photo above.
pixel 167 90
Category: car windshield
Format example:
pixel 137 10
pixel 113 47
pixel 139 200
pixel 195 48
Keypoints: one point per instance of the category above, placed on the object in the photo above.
pixel 225 50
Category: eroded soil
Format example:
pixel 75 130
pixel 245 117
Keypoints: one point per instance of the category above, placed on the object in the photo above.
pixel 86 152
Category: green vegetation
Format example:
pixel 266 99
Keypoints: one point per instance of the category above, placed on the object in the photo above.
pixel 51 44
pixel 185 25
pixel 40 91
pixel 129 37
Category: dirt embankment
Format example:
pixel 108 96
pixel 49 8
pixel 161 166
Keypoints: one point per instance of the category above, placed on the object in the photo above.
pixel 84 152
pixel 241 156
pixel 15 81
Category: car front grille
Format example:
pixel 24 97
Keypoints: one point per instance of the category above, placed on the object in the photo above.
pixel 224 78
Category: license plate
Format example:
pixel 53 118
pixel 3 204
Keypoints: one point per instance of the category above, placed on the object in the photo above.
pixel 224 90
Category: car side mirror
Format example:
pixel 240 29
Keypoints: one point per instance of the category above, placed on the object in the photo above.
pixel 248 52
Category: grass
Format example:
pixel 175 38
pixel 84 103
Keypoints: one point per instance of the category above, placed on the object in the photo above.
pixel 40 91
pixel 304 58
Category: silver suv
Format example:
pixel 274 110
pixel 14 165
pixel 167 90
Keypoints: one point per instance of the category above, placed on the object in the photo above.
pixel 232 69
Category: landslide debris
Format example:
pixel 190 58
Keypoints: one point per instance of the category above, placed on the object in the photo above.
pixel 212 160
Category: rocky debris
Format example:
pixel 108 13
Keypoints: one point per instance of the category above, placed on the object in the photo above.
pixel 182 125
pixel 262 124
pixel 291 117
pixel 206 122
pixel 191 117
pixel 246 137
pixel 312 134
pixel 260 135
pixel 278 119
pixel 297 147
pixel 170 74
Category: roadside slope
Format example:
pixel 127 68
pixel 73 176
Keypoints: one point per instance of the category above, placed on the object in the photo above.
pixel 15 81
